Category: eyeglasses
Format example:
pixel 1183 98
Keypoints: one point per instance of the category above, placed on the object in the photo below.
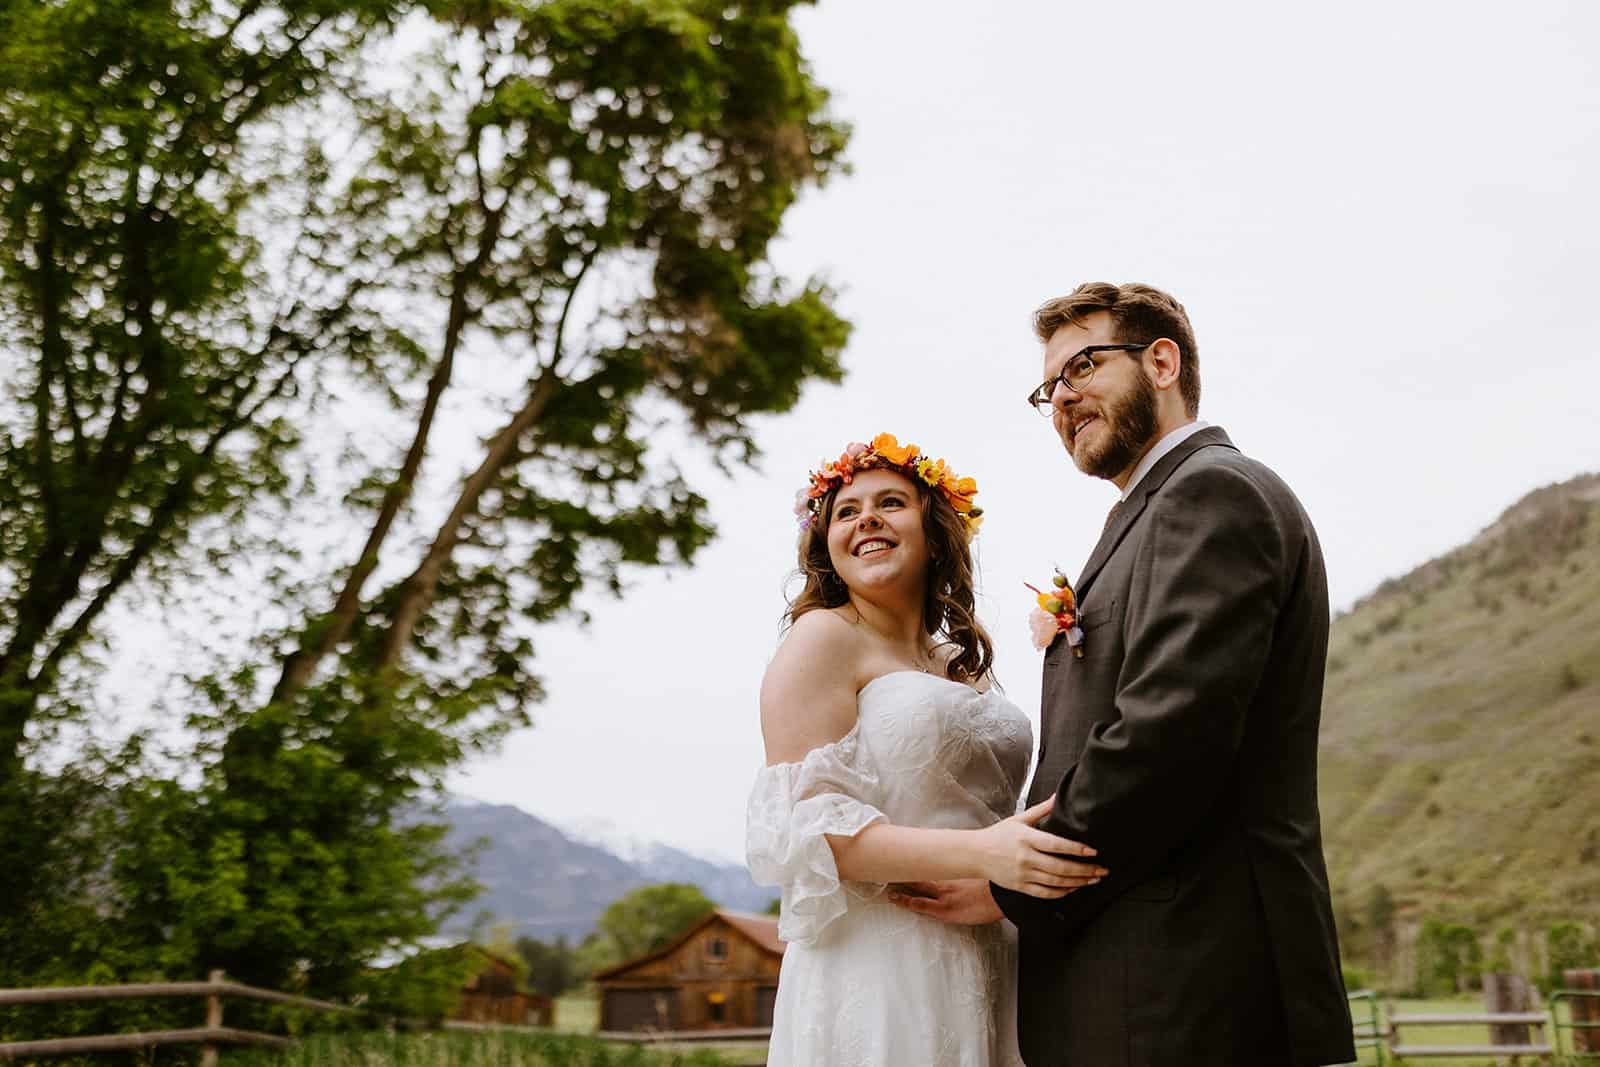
pixel 1075 373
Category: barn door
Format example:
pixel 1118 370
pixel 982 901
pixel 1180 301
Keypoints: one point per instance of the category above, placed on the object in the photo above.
pixel 766 1002
pixel 640 1009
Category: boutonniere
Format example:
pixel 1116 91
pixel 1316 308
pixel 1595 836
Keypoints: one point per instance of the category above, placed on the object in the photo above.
pixel 1057 613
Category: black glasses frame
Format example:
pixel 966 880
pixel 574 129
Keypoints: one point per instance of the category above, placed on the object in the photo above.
pixel 1039 397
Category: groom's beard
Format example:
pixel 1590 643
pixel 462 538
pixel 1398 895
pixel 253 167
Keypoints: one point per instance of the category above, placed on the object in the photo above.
pixel 1130 425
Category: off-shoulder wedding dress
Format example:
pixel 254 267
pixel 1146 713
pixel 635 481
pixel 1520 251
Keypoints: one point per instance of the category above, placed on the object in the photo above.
pixel 864 983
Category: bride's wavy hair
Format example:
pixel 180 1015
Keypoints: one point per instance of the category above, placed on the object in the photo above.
pixel 948 606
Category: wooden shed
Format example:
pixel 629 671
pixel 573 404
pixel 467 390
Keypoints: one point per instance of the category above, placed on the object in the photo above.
pixel 492 995
pixel 720 975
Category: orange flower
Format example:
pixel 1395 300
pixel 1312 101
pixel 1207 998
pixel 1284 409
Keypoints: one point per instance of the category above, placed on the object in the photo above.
pixel 959 491
pixel 887 446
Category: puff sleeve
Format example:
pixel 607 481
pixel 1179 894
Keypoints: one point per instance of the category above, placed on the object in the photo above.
pixel 793 806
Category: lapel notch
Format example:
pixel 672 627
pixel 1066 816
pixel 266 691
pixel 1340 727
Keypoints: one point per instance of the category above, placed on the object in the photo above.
pixel 1134 506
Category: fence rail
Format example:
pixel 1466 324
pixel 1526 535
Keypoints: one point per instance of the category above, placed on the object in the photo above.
pixel 212 1035
pixel 1381 1032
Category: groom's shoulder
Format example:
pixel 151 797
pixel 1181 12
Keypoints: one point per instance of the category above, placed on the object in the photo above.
pixel 1222 468
pixel 1232 488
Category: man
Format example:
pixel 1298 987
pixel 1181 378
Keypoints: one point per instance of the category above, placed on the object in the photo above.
pixel 1179 738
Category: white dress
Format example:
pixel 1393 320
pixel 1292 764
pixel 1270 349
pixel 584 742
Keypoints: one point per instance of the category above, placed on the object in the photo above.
pixel 864 983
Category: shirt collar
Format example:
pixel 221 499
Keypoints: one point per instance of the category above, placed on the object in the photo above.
pixel 1160 448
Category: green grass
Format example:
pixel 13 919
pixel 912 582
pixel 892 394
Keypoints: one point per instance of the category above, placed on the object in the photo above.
pixel 455 1049
pixel 577 1013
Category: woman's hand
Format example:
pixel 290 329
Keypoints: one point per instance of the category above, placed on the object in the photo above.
pixel 1014 854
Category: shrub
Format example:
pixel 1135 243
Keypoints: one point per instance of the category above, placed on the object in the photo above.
pixel 1571 945
pixel 1449 958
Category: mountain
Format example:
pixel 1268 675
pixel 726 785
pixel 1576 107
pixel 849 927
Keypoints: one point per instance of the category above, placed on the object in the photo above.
pixel 1460 763
pixel 726 883
pixel 546 882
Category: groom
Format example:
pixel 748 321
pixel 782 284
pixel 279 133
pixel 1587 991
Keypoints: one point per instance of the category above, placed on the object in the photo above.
pixel 1182 742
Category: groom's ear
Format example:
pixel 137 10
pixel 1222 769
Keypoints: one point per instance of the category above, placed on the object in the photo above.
pixel 1165 363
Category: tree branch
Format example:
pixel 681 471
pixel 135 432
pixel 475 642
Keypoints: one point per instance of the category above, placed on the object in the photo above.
pixel 558 345
pixel 301 664
pixel 417 591
pixel 177 496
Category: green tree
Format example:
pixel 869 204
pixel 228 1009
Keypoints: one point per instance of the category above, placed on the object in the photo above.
pixel 152 361
pixel 552 966
pixel 641 921
pixel 1571 946
pixel 1449 958
pixel 572 198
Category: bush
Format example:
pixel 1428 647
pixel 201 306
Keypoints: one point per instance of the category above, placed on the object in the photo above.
pixel 1357 978
pixel 1571 945
pixel 1449 958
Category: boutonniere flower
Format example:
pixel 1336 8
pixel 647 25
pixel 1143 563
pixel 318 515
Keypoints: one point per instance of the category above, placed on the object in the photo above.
pixel 1056 614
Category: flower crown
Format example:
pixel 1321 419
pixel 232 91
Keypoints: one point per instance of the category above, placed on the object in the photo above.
pixel 887 453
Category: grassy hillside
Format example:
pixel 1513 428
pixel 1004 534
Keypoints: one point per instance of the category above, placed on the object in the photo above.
pixel 1461 730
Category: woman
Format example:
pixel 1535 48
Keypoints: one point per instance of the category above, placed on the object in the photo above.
pixel 890 759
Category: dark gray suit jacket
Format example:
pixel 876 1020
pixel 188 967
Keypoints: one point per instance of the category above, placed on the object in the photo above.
pixel 1183 746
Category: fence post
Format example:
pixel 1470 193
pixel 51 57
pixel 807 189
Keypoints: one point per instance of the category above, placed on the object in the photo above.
pixel 1584 1009
pixel 208 1052
pixel 1508 993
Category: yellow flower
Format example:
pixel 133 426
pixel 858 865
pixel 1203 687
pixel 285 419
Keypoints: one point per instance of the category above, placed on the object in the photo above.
pixel 932 471
pixel 887 446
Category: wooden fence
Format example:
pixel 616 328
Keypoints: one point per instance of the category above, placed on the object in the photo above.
pixel 210 1036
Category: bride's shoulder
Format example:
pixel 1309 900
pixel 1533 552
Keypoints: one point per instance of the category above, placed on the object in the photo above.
pixel 808 696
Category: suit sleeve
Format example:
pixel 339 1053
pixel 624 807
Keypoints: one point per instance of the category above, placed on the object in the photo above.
pixel 1198 629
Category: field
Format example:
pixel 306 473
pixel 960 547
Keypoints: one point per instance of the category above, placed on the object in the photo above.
pixel 456 1049
pixel 572 1046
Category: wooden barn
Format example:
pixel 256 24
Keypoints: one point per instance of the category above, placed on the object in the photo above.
pixel 491 994
pixel 720 975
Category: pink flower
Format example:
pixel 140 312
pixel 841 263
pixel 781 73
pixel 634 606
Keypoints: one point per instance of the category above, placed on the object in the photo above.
pixel 1042 626
pixel 855 449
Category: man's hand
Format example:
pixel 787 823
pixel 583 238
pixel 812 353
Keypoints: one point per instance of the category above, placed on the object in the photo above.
pixel 967 902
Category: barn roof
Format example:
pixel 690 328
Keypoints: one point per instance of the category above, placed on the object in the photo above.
pixel 761 930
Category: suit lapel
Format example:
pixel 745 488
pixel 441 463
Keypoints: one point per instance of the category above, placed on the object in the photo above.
pixel 1134 506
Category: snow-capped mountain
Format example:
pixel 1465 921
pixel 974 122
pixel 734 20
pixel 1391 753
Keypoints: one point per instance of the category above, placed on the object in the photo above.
pixel 546 881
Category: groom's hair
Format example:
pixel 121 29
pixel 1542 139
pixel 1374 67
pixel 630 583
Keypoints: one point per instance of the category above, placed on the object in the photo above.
pixel 1139 313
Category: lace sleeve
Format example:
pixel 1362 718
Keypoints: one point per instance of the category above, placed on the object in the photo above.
pixel 792 806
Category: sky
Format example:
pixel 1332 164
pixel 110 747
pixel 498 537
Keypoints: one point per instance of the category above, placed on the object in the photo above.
pixel 1381 219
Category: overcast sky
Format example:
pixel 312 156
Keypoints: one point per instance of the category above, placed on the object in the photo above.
pixel 1382 222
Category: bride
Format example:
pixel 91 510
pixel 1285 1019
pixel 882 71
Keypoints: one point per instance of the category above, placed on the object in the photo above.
pixel 891 758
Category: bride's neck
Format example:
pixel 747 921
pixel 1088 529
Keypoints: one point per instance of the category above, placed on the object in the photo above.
pixel 897 622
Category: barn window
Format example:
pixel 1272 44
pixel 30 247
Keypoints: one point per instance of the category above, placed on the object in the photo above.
pixel 717 949
pixel 717 1007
